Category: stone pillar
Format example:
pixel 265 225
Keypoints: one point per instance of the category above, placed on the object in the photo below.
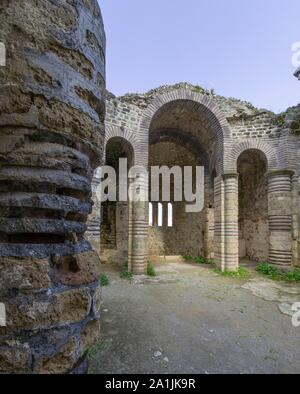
pixel 231 217
pixel 219 239
pixel 138 227
pixel 280 217
pixel 94 219
pixel 209 233
pixel 52 109
pixel 295 221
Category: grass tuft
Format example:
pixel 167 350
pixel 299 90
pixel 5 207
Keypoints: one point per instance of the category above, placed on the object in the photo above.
pixel 292 276
pixel 188 257
pixel 273 273
pixel 267 269
pixel 104 280
pixel 125 274
pixel 239 273
pixel 150 270
pixel 199 260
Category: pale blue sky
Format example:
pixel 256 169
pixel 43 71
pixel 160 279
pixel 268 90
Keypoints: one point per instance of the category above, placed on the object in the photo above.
pixel 241 48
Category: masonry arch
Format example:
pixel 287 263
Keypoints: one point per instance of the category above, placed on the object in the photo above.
pixel 252 166
pixel 192 129
pixel 125 136
pixel 231 158
pixel 202 105
pixel 107 226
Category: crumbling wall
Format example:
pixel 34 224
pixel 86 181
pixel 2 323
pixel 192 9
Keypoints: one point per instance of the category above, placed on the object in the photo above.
pixel 52 111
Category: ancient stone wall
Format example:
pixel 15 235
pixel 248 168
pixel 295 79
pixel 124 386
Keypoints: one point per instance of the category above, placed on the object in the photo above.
pixel 52 110
pixel 186 236
pixel 276 136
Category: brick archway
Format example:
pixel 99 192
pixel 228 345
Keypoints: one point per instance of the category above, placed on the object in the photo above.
pixel 205 102
pixel 232 156
pixel 126 135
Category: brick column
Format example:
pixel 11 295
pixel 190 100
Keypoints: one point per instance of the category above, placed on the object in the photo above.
pixel 219 240
pixel 280 217
pixel 138 229
pixel 231 228
pixel 209 233
pixel 295 221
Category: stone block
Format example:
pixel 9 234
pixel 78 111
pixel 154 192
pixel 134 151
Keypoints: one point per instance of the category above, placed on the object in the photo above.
pixel 24 274
pixel 78 269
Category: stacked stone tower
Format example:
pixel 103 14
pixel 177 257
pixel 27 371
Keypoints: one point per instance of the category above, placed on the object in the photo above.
pixel 52 111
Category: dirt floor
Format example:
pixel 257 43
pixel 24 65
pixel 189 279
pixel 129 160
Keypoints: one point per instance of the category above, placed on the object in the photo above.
pixel 191 320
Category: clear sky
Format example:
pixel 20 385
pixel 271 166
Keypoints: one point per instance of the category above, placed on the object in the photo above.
pixel 241 48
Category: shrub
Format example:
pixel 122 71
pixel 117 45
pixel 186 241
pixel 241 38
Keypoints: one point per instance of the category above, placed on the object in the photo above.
pixel 292 276
pixel 150 270
pixel 267 269
pixel 188 257
pixel 200 260
pixel 204 260
pixel 104 280
pixel 125 274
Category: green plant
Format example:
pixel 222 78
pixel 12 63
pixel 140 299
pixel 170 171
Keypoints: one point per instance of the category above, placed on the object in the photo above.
pixel 267 269
pixel 239 273
pixel 93 350
pixel 188 257
pixel 203 260
pixel 292 276
pixel 150 270
pixel 200 260
pixel 104 280
pixel 211 262
pixel 125 274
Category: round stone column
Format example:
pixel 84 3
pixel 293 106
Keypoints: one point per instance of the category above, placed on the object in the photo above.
pixel 209 233
pixel 231 228
pixel 295 221
pixel 52 109
pixel 280 217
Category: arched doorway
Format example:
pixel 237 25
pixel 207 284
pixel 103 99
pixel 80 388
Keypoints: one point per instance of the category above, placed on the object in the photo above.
pixel 182 133
pixel 252 167
pixel 115 214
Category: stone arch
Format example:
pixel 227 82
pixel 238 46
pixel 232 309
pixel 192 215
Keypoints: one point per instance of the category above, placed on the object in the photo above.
pixel 208 106
pixel 204 104
pixel 232 156
pixel 125 134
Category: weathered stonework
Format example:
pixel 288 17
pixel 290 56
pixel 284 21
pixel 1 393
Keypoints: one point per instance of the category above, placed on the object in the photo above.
pixel 218 133
pixel 52 109
pixel 58 125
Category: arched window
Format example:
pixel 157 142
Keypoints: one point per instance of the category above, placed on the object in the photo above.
pixel 150 214
pixel 170 215
pixel 160 215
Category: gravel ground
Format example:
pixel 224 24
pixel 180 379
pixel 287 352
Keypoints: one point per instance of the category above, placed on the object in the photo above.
pixel 190 320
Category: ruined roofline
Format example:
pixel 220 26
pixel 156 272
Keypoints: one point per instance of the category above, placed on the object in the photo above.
pixel 142 100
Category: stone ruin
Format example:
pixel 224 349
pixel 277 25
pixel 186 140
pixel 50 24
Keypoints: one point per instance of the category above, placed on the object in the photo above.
pixel 58 125
pixel 52 109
